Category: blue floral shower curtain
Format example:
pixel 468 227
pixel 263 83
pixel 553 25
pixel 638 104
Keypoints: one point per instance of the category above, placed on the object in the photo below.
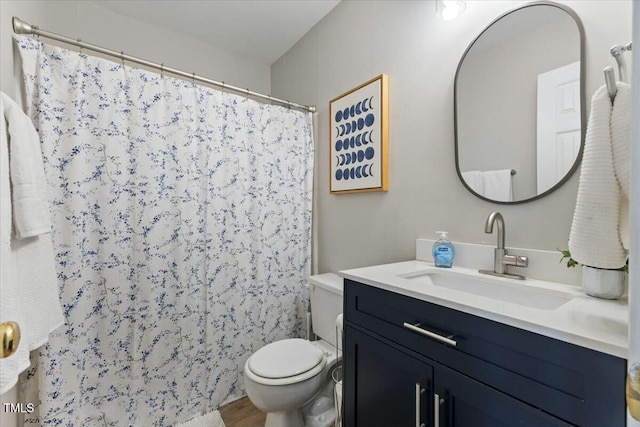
pixel 182 226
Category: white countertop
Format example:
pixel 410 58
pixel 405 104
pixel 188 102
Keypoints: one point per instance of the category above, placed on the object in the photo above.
pixel 597 324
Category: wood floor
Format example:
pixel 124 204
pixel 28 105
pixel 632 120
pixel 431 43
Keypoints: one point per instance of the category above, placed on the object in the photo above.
pixel 242 413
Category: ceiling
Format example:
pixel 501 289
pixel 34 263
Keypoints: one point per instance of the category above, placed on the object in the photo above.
pixel 259 29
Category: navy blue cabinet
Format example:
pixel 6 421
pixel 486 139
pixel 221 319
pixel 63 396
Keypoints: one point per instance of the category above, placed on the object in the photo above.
pixel 474 372
pixel 394 388
pixel 465 402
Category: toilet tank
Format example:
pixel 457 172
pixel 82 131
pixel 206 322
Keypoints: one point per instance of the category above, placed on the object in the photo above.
pixel 326 304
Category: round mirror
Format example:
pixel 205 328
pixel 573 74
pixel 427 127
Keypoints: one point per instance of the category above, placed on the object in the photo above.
pixel 519 104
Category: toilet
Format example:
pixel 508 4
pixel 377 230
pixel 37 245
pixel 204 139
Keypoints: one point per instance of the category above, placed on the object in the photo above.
pixel 281 377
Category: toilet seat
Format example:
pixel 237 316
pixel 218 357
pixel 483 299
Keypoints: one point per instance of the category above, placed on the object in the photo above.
pixel 285 362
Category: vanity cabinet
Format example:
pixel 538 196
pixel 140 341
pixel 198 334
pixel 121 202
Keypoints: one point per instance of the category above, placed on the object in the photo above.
pixel 466 371
pixel 394 388
pixel 465 402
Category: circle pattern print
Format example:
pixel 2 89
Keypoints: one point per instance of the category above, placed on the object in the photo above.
pixel 355 117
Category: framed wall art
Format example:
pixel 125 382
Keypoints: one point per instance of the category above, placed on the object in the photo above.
pixel 358 157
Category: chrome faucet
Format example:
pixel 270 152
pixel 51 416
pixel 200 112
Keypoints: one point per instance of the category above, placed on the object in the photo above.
pixel 501 259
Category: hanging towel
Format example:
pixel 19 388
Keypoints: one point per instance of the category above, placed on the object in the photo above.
pixel 498 185
pixel 621 147
pixel 474 180
pixel 28 184
pixel 493 184
pixel 28 285
pixel 11 366
pixel 594 238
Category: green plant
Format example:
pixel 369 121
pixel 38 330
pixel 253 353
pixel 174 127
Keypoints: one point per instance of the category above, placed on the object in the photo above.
pixel 572 262
pixel 566 254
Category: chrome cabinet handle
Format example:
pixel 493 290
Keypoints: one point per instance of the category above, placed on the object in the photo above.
pixel 430 334
pixel 419 391
pixel 436 409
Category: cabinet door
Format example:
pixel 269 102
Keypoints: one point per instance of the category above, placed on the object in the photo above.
pixel 464 402
pixel 384 386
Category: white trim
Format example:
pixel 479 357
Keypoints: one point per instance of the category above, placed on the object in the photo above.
pixel 634 207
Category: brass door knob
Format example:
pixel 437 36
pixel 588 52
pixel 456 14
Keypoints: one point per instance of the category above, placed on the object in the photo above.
pixel 10 333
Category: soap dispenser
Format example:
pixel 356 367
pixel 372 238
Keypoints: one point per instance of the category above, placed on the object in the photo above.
pixel 443 251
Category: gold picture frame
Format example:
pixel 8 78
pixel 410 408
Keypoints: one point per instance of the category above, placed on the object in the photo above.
pixel 358 134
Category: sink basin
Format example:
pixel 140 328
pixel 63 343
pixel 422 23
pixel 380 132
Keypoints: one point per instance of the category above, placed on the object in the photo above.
pixel 497 288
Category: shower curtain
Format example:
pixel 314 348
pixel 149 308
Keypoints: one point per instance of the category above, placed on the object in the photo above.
pixel 182 226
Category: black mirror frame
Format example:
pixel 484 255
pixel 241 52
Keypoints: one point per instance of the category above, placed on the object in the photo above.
pixel 583 102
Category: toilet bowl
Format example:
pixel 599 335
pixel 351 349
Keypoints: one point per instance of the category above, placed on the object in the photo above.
pixel 281 377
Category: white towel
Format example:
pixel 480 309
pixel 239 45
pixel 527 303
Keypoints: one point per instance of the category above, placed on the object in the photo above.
pixel 498 185
pixel 493 184
pixel 211 419
pixel 28 285
pixel 621 147
pixel 11 366
pixel 594 238
pixel 28 184
pixel 474 180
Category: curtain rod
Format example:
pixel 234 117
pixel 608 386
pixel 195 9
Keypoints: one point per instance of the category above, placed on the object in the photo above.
pixel 22 27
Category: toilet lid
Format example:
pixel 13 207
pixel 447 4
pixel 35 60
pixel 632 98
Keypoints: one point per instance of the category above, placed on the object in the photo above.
pixel 285 358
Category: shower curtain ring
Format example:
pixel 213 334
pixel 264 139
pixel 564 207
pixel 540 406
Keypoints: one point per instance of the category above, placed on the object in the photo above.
pixel 162 71
pixel 193 78
pixel 80 44
pixel 122 57
pixel 248 92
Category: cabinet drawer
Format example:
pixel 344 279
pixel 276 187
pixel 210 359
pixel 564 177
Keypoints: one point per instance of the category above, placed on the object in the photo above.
pixel 571 382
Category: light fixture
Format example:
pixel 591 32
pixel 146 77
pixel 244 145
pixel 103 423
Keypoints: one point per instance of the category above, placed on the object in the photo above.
pixel 448 10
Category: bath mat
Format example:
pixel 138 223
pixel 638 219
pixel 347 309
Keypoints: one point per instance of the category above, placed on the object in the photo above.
pixel 211 419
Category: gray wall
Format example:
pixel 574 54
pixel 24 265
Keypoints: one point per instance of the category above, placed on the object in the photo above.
pixel 94 24
pixel 361 39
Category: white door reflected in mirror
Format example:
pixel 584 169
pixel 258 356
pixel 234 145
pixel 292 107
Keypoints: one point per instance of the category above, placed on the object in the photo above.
pixel 558 118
